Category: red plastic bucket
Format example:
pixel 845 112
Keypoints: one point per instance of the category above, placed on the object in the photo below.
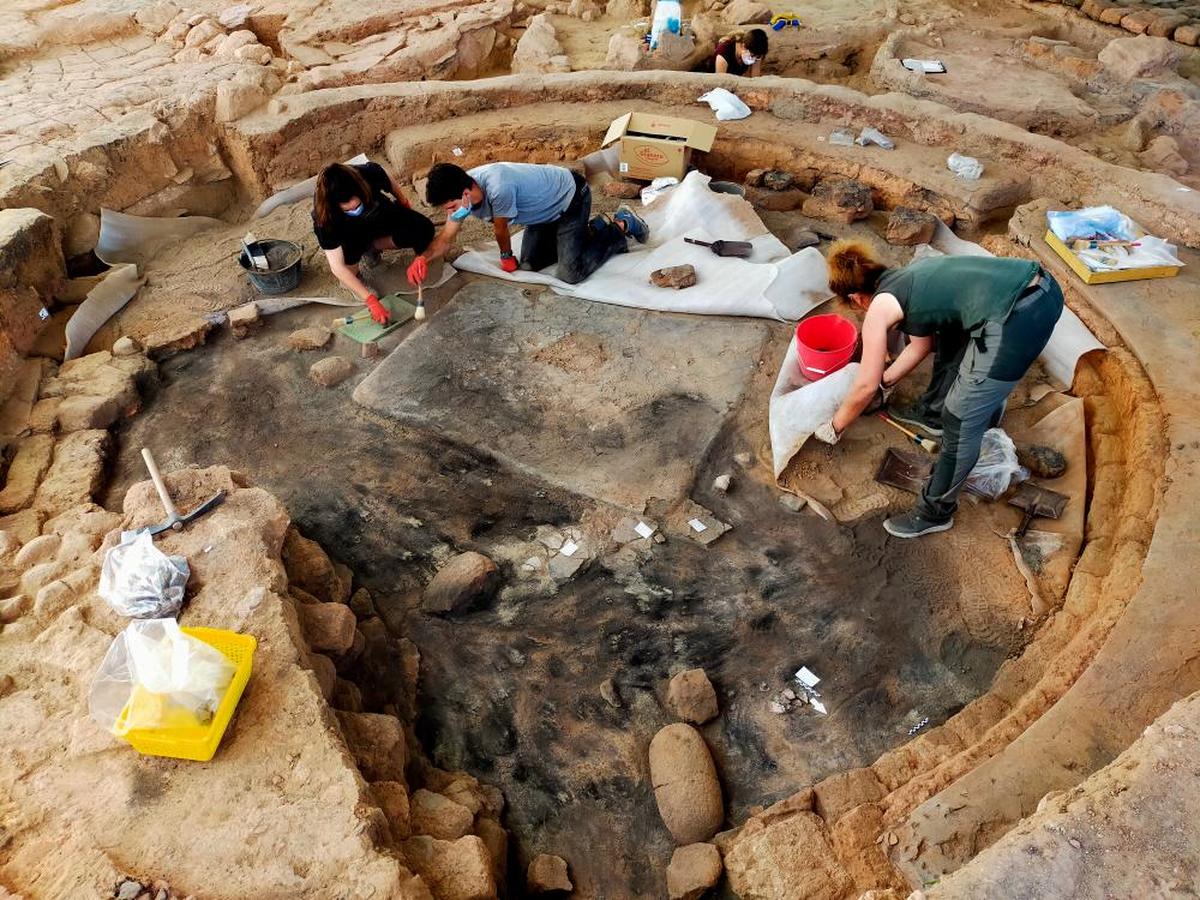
pixel 825 344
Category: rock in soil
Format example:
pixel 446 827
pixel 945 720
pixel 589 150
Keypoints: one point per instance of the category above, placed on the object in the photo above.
pixel 839 200
pixel 776 180
pixel 465 583
pixel 677 277
pixel 331 371
pixel 439 816
pixel 625 190
pixel 548 873
pixel 312 338
pixel 685 784
pixel 1042 461
pixel 691 697
pixel 694 869
pixel 775 201
pixel 908 227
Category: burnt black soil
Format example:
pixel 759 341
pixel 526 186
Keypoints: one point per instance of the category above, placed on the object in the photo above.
pixel 512 693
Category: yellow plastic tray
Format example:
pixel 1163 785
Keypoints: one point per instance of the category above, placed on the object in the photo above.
pixel 1080 268
pixel 199 742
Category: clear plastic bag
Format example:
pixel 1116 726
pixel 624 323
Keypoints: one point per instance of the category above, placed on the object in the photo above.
pixel 155 676
pixel 140 581
pixel 997 469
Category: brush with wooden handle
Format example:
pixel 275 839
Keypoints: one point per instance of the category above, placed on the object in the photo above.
pixel 925 444
pixel 419 313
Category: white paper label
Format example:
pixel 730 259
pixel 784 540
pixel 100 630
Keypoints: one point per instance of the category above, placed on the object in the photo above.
pixel 643 529
pixel 818 705
pixel 568 549
pixel 698 526
pixel 623 167
pixel 805 676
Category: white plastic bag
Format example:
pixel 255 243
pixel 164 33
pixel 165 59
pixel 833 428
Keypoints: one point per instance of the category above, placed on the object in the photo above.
pixel 658 186
pixel 997 469
pixel 967 167
pixel 155 676
pixel 140 581
pixel 726 104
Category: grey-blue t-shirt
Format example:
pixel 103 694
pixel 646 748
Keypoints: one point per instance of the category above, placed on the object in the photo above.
pixel 523 193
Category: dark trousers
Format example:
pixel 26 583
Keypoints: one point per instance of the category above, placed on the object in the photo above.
pixel 991 362
pixel 571 241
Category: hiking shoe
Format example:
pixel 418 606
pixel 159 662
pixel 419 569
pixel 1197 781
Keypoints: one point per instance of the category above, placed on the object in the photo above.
pixel 914 525
pixel 635 225
pixel 916 417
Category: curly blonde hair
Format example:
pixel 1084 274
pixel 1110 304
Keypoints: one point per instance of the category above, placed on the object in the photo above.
pixel 853 268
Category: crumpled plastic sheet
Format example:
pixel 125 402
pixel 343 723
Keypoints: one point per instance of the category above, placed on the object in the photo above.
pixel 727 105
pixel 799 406
pixel 140 581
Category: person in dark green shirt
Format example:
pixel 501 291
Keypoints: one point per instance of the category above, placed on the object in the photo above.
pixel 985 319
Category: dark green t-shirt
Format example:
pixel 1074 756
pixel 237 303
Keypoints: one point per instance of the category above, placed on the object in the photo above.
pixel 956 293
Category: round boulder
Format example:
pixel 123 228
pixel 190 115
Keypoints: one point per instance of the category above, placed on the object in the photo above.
pixel 685 784
pixel 465 583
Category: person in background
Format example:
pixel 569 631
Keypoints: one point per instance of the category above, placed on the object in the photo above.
pixel 553 203
pixel 985 318
pixel 358 211
pixel 741 54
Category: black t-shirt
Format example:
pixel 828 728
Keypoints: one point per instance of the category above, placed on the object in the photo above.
pixel 354 233
pixel 728 49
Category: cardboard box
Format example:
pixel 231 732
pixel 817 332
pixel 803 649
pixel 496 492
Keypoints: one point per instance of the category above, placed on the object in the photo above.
pixel 654 146
pixel 1088 276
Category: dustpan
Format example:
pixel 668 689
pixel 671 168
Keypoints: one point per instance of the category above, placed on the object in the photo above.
pixel 366 330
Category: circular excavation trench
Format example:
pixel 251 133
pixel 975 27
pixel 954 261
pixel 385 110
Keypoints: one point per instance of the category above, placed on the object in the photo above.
pixel 553 690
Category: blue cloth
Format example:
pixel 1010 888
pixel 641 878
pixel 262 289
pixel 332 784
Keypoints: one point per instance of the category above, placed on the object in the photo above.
pixel 523 193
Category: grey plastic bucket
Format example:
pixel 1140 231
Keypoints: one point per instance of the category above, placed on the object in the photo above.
pixel 283 260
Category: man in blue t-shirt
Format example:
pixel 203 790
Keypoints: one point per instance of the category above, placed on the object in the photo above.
pixel 552 203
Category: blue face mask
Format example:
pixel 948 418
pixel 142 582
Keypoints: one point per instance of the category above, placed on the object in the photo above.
pixel 357 211
pixel 460 214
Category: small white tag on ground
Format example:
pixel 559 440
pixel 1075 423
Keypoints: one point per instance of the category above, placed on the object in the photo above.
pixel 817 705
pixel 643 529
pixel 698 526
pixel 569 548
pixel 806 677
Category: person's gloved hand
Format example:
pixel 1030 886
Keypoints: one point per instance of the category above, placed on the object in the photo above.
pixel 418 271
pixel 508 262
pixel 378 311
pixel 827 433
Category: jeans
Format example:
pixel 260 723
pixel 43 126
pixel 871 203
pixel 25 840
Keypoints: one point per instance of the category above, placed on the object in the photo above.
pixel 993 359
pixel 578 247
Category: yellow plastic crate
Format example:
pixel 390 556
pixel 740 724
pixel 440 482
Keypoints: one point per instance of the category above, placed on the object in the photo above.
pixel 1080 268
pixel 199 742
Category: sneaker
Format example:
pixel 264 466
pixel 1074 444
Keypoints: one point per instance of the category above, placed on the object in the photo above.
pixel 916 417
pixel 914 525
pixel 635 225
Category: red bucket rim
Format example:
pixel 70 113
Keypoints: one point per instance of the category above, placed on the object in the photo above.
pixel 826 316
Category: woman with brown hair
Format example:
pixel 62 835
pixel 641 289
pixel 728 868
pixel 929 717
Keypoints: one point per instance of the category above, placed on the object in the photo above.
pixel 985 319
pixel 360 210
pixel 740 53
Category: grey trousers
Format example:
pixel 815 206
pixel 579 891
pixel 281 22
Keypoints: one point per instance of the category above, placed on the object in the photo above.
pixel 996 357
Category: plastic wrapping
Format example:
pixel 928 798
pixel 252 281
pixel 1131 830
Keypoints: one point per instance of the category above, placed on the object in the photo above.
pixel 967 167
pixel 997 469
pixel 657 187
pixel 1103 224
pixel 726 104
pixel 155 676
pixel 875 136
pixel 140 581
pixel 668 17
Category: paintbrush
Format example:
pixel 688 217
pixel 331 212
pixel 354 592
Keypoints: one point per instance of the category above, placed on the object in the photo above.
pixel 924 443
pixel 419 313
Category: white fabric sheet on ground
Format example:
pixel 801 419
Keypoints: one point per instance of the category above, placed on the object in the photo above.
pixel 103 302
pixel 772 284
pixel 135 239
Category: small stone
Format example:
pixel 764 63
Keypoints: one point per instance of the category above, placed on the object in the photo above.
pixel 775 180
pixel 467 582
pixel 327 627
pixel 361 604
pixel 331 371
pixel 908 227
pixel 128 889
pixel 722 482
pixel 312 338
pixel 439 816
pixel 244 320
pixel 694 870
pixel 1041 461
pixel 691 697
pixel 839 199
pixel 754 178
pixel 792 502
pixel 125 346
pixel 774 201
pixel 801 238
pixel 548 873
pixel 624 190
pixel 677 277
pixel 1163 155
pixel 743 459
pixel 608 691
pixel 777 708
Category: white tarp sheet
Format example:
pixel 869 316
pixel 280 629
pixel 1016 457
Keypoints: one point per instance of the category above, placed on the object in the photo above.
pixel 103 302
pixel 771 284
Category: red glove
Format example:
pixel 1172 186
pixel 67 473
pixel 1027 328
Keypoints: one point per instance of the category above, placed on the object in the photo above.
pixel 508 263
pixel 418 271
pixel 378 311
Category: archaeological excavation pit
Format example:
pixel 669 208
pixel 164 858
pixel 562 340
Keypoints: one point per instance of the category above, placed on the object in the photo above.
pixel 402 738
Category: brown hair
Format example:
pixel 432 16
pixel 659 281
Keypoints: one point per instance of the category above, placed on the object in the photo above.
pixel 336 184
pixel 853 268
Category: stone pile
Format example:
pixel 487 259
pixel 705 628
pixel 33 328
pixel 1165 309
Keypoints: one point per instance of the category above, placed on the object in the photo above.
pixel 1178 20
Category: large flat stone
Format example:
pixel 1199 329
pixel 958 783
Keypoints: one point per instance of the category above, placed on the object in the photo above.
pixel 614 403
